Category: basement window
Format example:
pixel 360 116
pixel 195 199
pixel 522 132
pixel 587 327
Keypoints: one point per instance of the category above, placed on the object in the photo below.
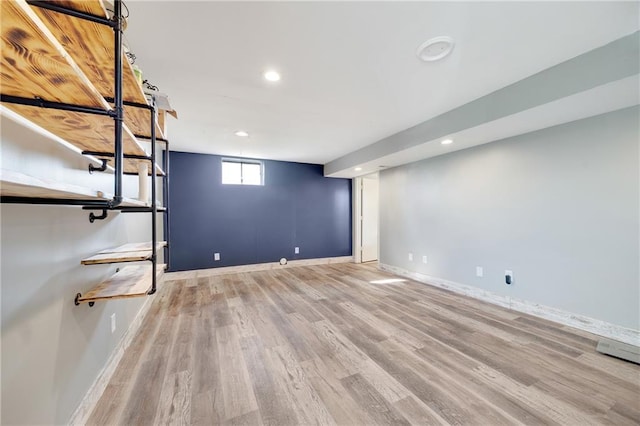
pixel 242 172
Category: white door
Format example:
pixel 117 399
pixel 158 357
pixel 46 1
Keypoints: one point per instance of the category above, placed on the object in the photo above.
pixel 369 220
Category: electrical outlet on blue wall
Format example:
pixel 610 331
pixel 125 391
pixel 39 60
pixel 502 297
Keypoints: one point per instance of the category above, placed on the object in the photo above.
pixel 297 250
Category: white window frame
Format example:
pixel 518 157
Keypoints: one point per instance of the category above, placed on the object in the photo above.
pixel 242 161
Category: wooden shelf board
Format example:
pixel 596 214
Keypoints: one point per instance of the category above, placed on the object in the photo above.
pixel 91 46
pixel 132 256
pixel 35 64
pixel 131 281
pixel 126 253
pixel 84 131
pixel 87 132
pixel 14 184
pixel 131 166
pixel 133 247
pixel 139 121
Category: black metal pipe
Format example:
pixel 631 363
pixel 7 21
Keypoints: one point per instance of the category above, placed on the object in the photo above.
pixel 165 202
pixel 127 209
pixel 93 217
pixel 119 159
pixel 98 204
pixel 38 102
pixel 136 174
pixel 102 168
pixel 142 210
pixel 149 138
pixel 154 204
pixel 129 103
pixel 112 155
pixel 75 13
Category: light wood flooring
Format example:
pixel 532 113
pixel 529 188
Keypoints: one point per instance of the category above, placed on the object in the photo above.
pixel 324 345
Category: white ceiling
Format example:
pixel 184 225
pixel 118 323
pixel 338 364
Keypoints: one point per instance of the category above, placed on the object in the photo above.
pixel 350 76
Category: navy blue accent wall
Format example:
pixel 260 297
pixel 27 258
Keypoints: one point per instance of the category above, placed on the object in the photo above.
pixel 297 206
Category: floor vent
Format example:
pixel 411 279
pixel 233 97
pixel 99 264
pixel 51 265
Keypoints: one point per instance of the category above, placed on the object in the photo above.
pixel 619 350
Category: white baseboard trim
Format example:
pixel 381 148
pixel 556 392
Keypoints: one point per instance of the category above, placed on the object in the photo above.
pixel 183 275
pixel 82 413
pixel 595 326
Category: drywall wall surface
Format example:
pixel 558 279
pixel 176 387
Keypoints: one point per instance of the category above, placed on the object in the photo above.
pixel 296 207
pixel 52 350
pixel 559 207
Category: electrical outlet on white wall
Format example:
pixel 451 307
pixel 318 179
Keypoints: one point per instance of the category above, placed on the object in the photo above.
pixel 509 273
pixel 479 271
pixel 216 256
pixel 424 259
pixel 410 257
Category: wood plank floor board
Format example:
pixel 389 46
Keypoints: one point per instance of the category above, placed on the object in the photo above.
pixel 594 403
pixel 307 404
pixel 417 413
pixel 546 326
pixel 587 377
pixel 221 312
pixel 279 291
pixel 462 368
pixel 344 410
pixel 431 329
pixel 321 348
pixel 345 351
pixel 110 405
pixel 623 370
pixel 333 344
pixel 424 386
pixel 387 329
pixel 250 419
pixel 269 284
pixel 358 323
pixel 272 399
pixel 174 407
pixel 626 411
pixel 518 332
pixel 237 391
pixel 241 317
pixel 367 396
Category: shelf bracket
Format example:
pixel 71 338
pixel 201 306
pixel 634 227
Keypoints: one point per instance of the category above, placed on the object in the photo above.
pixel 102 168
pixel 94 217
pixel 76 301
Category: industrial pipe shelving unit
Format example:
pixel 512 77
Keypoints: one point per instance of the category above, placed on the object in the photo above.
pixel 58 97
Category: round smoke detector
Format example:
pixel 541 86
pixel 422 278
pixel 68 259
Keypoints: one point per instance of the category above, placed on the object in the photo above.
pixel 435 48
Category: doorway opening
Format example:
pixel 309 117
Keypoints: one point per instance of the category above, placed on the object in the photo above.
pixel 366 206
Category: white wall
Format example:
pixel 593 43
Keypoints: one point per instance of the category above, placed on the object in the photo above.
pixel 52 350
pixel 559 207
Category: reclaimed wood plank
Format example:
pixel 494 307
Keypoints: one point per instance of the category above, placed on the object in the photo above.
pixel 14 184
pixel 131 281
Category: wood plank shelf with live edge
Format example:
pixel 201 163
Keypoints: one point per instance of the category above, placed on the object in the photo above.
pixel 44 72
pixel 14 184
pixel 130 281
pixel 133 252
pixel 76 36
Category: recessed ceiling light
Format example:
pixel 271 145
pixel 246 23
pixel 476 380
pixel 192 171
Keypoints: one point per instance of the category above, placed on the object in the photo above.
pixel 242 133
pixel 435 49
pixel 446 142
pixel 272 75
pixel 357 169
